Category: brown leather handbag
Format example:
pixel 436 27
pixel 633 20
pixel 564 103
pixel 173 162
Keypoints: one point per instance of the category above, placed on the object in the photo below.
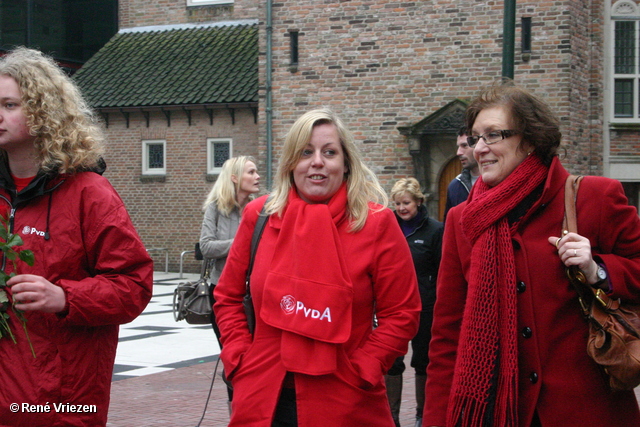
pixel 614 327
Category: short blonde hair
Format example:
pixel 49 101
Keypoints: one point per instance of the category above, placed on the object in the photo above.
pixel 225 192
pixel 68 136
pixel 362 185
pixel 408 185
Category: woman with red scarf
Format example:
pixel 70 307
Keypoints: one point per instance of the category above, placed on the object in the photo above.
pixel 509 340
pixel 330 258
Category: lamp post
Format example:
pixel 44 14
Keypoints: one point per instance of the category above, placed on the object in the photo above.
pixel 508 38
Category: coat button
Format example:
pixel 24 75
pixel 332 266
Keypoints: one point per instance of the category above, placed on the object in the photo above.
pixel 521 287
pixel 533 378
pixel 526 332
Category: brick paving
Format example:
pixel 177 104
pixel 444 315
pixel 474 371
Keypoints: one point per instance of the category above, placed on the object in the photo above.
pixel 176 398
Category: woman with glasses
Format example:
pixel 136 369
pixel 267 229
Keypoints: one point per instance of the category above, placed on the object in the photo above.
pixel 509 340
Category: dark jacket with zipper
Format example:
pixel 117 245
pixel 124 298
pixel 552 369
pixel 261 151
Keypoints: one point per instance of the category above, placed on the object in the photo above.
pixel 425 243
pixel 83 241
pixel 458 191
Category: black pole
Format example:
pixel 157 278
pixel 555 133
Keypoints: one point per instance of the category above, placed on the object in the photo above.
pixel 508 38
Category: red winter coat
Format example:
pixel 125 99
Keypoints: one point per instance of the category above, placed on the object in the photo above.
pixel 381 270
pixel 556 376
pixel 95 255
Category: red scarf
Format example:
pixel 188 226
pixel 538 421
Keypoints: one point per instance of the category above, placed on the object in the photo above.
pixel 485 382
pixel 308 292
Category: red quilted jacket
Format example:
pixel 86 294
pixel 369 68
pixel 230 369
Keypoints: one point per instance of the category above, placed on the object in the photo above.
pixel 83 241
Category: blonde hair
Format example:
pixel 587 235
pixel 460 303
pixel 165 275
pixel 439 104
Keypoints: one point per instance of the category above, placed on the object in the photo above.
pixel 68 137
pixel 362 185
pixel 225 192
pixel 408 185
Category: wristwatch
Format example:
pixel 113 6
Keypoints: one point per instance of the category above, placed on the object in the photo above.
pixel 601 274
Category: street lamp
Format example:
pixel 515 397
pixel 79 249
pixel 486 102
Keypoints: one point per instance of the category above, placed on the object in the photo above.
pixel 508 38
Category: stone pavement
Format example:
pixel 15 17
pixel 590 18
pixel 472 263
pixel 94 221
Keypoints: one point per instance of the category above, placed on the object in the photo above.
pixel 164 370
pixel 176 398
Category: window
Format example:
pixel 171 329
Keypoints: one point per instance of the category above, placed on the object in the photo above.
pixel 626 61
pixel 218 151
pixel 207 2
pixel 154 157
pixel 293 40
pixel 70 30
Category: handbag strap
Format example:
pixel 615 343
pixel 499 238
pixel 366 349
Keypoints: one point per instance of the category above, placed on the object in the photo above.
pixel 586 293
pixel 255 241
pixel 570 223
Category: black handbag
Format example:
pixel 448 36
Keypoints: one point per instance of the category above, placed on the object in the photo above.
pixel 192 300
pixel 247 301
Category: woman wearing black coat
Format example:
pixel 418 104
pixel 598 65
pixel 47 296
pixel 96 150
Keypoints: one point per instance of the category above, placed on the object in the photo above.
pixel 424 236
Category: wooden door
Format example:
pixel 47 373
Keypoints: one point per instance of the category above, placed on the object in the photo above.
pixel 449 172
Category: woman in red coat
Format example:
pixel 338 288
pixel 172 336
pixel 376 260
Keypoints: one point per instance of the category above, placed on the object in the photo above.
pixel 91 271
pixel 328 261
pixel 509 340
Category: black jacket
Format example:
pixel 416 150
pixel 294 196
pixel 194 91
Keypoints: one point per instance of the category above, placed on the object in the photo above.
pixel 458 191
pixel 425 243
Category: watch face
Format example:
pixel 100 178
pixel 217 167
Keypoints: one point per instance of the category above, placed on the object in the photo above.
pixel 602 274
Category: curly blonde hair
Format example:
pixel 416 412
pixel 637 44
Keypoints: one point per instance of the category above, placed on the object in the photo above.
pixel 410 186
pixel 362 184
pixel 225 192
pixel 68 137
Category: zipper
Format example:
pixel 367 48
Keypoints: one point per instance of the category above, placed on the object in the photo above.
pixel 12 214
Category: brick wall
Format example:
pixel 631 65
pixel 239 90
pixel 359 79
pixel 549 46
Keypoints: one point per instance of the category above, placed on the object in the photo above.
pixel 168 214
pixel 141 13
pixel 381 65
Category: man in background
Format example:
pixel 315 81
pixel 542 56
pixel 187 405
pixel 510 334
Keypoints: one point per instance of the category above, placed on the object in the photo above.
pixel 460 186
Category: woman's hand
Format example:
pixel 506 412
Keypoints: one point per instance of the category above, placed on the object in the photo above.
pixel 31 292
pixel 574 249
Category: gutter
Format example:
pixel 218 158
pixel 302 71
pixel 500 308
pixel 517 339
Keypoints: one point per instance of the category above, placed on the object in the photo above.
pixel 268 108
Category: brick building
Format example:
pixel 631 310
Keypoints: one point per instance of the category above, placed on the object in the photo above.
pixel 400 74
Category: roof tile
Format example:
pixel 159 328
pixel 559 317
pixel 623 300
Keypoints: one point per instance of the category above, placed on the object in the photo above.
pixel 173 66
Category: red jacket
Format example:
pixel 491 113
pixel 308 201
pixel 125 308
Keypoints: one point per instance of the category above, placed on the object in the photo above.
pixel 95 255
pixel 381 270
pixel 557 377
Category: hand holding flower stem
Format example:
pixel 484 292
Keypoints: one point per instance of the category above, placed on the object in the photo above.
pixel 8 244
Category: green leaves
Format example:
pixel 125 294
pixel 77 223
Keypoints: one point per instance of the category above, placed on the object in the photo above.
pixel 27 257
pixel 9 244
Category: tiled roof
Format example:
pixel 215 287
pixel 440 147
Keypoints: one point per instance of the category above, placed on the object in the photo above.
pixel 174 65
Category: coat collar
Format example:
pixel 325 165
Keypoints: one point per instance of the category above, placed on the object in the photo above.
pixel 553 185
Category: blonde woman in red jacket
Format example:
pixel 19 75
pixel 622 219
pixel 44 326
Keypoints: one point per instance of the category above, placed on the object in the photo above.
pixel 509 340
pixel 331 257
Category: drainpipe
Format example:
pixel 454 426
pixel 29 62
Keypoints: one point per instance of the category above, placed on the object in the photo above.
pixel 508 38
pixel 268 109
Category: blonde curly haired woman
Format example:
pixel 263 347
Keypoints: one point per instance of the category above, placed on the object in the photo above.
pixel 91 270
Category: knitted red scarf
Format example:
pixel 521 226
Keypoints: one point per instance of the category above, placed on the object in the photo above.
pixel 485 382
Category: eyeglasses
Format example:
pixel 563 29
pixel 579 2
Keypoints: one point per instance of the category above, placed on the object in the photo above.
pixel 491 137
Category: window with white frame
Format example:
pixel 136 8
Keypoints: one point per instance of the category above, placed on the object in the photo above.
pixel 625 27
pixel 154 157
pixel 218 151
pixel 208 2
